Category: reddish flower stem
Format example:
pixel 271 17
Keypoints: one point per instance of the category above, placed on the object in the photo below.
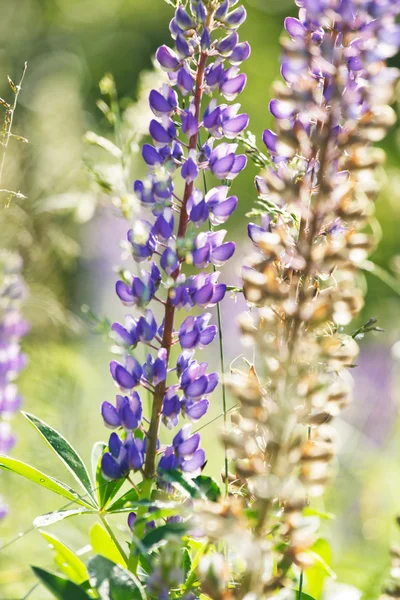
pixel 151 451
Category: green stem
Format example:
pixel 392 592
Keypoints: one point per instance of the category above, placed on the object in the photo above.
pixel 114 539
pixel 139 530
pixel 222 362
pixel 301 585
pixel 383 275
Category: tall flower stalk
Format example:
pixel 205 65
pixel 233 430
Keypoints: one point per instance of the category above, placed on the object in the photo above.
pixel 318 199
pixel 12 360
pixel 203 67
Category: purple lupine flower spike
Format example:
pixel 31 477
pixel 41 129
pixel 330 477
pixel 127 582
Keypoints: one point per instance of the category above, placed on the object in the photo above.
pixel 203 67
pixel 13 327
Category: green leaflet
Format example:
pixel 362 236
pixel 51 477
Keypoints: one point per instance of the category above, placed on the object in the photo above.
pixel 130 497
pixel 65 452
pixel 21 468
pixel 66 560
pixel 102 543
pixel 185 486
pixel 303 596
pixel 113 582
pixel 60 588
pixel 60 515
pixel 316 575
pixel 159 535
pixel 106 490
pixel 208 486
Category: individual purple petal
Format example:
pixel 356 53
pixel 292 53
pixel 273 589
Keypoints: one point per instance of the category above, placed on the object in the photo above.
pixel 270 139
pixel 110 415
pixel 201 256
pixel 146 328
pixel 232 87
pixel 183 47
pixel 169 261
pixel 212 383
pixel 121 376
pixel 159 134
pixel 222 10
pixel 222 166
pixel 201 13
pixel 195 463
pixel 233 127
pixel 164 225
pixel 295 28
pixel 222 253
pixel 189 446
pixel 167 58
pixel 238 165
pixel 215 75
pixel 151 156
pixel 110 467
pixel 190 170
pixel 190 125
pixel 124 293
pixel 221 212
pixel 205 40
pixel 189 339
pixel 234 19
pixel 136 458
pixel 115 445
pixel 161 105
pixel 183 19
pixel 225 46
pixel 281 109
pixel 197 388
pixel 168 461
pixel 196 410
pixel 240 53
pixel 208 335
pixel 131 520
pixel 185 81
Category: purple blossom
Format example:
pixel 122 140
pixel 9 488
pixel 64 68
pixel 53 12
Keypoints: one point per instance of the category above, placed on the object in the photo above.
pixel 127 413
pixel 171 407
pixel 204 58
pixel 195 383
pixel 141 289
pixel 184 453
pixel 126 376
pixel 155 370
pixel 122 457
pixel 196 333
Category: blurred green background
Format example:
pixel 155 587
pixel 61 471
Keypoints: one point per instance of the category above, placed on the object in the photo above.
pixel 68 232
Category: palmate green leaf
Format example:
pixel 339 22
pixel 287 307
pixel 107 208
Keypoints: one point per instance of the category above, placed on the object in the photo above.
pixel 21 468
pixel 66 559
pixel 106 490
pixel 65 452
pixel 102 543
pixel 61 588
pixel 60 515
pixel 113 582
pixel 160 535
